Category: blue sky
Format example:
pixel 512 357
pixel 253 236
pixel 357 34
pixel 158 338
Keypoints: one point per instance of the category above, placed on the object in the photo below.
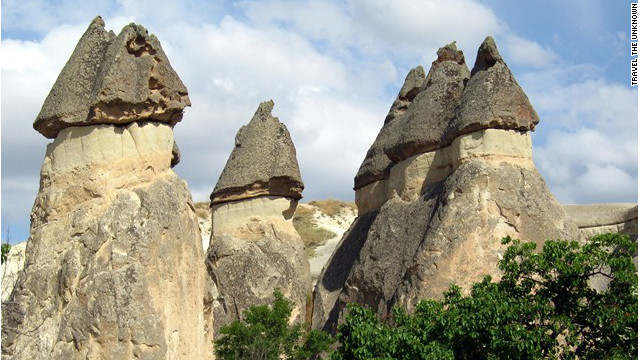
pixel 333 69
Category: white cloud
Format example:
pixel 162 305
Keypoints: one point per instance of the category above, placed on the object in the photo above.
pixel 40 16
pixel 331 138
pixel 527 52
pixel 587 146
pixel 417 24
pixel 318 20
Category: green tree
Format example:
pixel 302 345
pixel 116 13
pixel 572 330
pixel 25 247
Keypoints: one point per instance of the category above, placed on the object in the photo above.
pixel 542 308
pixel 266 333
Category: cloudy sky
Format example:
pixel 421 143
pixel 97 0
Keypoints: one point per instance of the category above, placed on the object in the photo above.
pixel 333 69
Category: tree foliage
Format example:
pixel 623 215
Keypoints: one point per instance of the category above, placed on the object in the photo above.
pixel 266 333
pixel 542 308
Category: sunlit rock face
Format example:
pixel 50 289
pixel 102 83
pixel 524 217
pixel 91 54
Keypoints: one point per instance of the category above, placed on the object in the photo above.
pixel 254 247
pixel 114 263
pixel 448 176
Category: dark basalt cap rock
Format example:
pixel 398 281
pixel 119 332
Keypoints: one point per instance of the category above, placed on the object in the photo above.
pixel 263 161
pixel 492 98
pixel 175 154
pixel 376 164
pixel 423 125
pixel 113 80
pixel 411 87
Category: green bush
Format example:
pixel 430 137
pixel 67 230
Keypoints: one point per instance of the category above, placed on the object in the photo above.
pixel 5 252
pixel 266 333
pixel 542 308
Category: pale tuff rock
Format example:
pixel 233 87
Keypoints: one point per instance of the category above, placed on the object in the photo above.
pixel 409 177
pixel 254 249
pixel 111 264
pixel 254 246
pixel 113 80
pixel 263 161
pixel 461 178
pixel 236 218
pixel 598 219
pixel 203 212
pixel 11 268
pixel 114 263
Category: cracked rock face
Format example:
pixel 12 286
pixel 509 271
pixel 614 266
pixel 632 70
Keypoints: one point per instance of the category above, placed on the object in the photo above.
pixel 460 177
pixel 113 79
pixel 114 263
pixel 263 161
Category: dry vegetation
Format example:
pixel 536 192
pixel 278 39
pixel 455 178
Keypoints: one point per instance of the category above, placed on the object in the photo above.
pixel 332 207
pixel 312 235
pixel 202 210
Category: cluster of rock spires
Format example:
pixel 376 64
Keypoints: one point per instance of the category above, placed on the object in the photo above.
pixel 448 176
pixel 115 266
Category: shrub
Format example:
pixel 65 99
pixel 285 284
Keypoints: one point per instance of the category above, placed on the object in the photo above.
pixel 266 333
pixel 6 248
pixel 542 308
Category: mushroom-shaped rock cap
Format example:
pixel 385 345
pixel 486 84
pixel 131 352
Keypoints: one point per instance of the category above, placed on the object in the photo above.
pixel 113 80
pixel 422 127
pixel 376 164
pixel 492 98
pixel 263 161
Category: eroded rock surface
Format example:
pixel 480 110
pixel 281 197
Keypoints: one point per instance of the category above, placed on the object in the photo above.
pixel 263 161
pixel 492 98
pixel 422 127
pixel 254 247
pixel 114 264
pixel 113 79
pixel 460 177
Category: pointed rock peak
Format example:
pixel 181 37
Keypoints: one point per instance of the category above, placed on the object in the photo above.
pixel 488 55
pixel 411 87
pixel 412 84
pixel 376 164
pixel 97 22
pixel 425 120
pixel 264 110
pixel 71 96
pixel 113 80
pixel 450 52
pixel 492 98
pixel 262 163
